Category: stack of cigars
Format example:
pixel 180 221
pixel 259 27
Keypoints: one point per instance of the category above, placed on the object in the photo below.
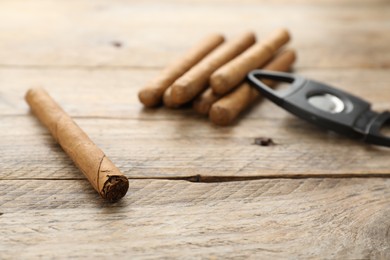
pixel 211 75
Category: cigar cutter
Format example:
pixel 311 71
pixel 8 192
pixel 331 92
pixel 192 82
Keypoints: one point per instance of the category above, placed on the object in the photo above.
pixel 324 106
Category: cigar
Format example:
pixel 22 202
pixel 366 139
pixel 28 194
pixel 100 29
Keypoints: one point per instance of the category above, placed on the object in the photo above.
pixel 203 103
pixel 188 86
pixel 232 73
pixel 104 176
pixel 151 95
pixel 225 111
pixel 167 99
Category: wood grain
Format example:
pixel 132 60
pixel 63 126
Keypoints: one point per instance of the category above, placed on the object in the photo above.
pixel 93 57
pixel 170 144
pixel 92 86
pixel 278 219
pixel 44 33
pixel 191 148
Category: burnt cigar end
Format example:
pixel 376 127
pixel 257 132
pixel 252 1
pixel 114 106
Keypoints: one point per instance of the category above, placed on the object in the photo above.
pixel 115 188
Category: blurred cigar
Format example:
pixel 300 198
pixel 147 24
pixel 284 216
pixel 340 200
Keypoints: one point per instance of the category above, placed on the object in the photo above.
pixel 151 95
pixel 232 73
pixel 225 110
pixel 167 99
pixel 203 103
pixel 193 82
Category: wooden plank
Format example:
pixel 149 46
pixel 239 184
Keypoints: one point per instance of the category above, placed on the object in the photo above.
pixel 113 92
pixel 191 148
pixel 83 33
pixel 278 219
pixel 170 144
pixel 93 56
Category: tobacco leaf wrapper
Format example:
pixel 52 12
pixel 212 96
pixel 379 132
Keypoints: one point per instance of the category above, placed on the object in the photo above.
pixel 227 108
pixel 151 95
pixel 195 80
pixel 231 74
pixel 104 176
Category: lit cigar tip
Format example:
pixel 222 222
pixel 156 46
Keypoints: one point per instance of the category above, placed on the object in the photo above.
pixel 115 188
pixel 220 115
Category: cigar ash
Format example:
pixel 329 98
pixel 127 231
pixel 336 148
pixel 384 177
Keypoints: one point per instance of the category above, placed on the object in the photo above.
pixel 264 141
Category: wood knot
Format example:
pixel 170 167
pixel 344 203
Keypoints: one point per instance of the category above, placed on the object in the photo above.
pixel 264 141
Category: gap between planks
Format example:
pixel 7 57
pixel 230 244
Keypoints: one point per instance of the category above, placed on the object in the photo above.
pixel 216 179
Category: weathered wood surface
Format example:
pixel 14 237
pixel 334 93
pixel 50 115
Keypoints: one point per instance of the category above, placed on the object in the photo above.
pixel 178 143
pixel 81 33
pixel 192 148
pixel 93 56
pixel 278 219
pixel 91 86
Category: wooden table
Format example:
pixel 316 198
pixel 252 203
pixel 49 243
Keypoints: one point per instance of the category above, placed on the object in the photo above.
pixel 196 190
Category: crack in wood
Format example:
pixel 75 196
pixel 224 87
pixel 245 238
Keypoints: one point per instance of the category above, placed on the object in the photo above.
pixel 216 179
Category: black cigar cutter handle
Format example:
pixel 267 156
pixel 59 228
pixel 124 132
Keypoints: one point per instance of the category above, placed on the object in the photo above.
pixel 324 106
